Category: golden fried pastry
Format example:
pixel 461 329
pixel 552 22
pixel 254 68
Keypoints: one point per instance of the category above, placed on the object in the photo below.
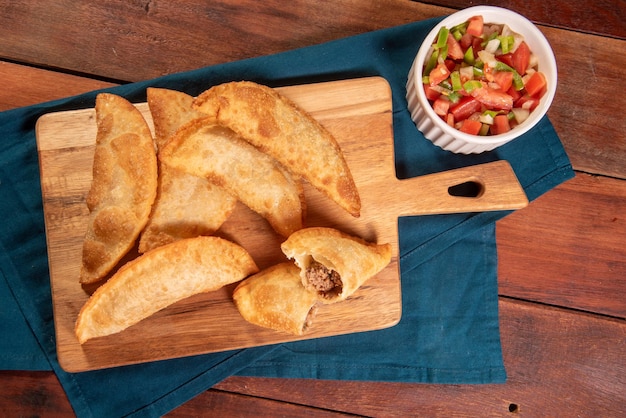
pixel 123 188
pixel 204 148
pixel 281 129
pixel 186 206
pixel 334 264
pixel 275 298
pixel 170 109
pixel 160 278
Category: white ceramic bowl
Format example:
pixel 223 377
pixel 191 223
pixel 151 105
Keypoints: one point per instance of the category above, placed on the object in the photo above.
pixel 451 139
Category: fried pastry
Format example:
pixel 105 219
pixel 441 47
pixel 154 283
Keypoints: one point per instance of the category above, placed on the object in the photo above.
pixel 334 264
pixel 205 148
pixel 278 127
pixel 186 206
pixel 275 298
pixel 160 278
pixel 123 188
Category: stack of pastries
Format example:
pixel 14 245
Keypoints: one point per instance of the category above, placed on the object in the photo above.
pixel 170 193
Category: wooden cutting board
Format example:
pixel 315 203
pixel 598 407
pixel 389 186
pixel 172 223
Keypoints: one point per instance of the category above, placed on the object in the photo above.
pixel 359 114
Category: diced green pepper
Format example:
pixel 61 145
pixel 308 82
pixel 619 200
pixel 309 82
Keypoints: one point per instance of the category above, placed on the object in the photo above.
pixel 506 43
pixel 489 38
pixel 454 97
pixel 446 84
pixel 455 78
pixel 510 116
pixel 461 27
pixel 491 113
pixel 518 83
pixel 443 53
pixel 442 37
pixel 432 62
pixel 469 56
pixel 471 85
pixel 456 34
pixel 478 72
pixel 484 130
pixel 425 79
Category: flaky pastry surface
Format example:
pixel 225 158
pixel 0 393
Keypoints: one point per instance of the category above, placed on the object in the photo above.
pixel 283 130
pixel 123 188
pixel 207 149
pixel 275 298
pixel 160 278
pixel 354 259
pixel 186 206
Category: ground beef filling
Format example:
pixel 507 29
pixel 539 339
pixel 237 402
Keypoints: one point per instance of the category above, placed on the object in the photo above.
pixel 327 282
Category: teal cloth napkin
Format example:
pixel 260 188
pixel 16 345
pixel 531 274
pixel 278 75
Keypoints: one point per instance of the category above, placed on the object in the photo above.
pixel 449 328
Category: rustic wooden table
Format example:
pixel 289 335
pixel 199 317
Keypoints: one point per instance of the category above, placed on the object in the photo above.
pixel 562 260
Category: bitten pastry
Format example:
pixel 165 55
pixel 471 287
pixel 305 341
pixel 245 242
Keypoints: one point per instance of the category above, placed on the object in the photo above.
pixel 123 188
pixel 204 148
pixel 159 278
pixel 186 206
pixel 275 298
pixel 278 127
pixel 334 264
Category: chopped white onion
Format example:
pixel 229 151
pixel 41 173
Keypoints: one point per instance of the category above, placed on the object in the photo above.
pixel 486 118
pixel 487 58
pixel 521 114
pixel 492 46
pixel 466 73
pixel 517 38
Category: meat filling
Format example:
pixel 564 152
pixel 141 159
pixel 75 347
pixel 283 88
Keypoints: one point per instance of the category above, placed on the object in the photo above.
pixel 326 281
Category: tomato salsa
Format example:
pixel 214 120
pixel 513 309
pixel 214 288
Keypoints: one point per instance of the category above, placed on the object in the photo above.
pixel 482 78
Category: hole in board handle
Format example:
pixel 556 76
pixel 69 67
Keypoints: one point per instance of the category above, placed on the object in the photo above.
pixel 470 188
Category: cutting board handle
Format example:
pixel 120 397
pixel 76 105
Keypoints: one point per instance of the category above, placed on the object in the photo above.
pixel 483 187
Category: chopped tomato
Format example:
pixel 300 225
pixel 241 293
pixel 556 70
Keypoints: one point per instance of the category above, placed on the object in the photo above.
pixel 464 108
pixel 441 106
pixel 521 58
pixel 454 48
pixel 492 98
pixel 431 93
pixel 438 74
pixel 477 45
pixel 504 79
pixel 536 85
pixel 466 41
pixel 465 86
pixel 514 93
pixel 500 125
pixel 506 58
pixel 475 26
pixel 471 126
pixel 527 102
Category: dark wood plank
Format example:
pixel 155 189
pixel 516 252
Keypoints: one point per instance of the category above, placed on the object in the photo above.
pixel 231 404
pixel 134 41
pixel 568 248
pixel 604 17
pixel 586 112
pixel 30 394
pixel 559 363
pixel 25 86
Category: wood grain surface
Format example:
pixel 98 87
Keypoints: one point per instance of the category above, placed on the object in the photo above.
pixel 560 359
